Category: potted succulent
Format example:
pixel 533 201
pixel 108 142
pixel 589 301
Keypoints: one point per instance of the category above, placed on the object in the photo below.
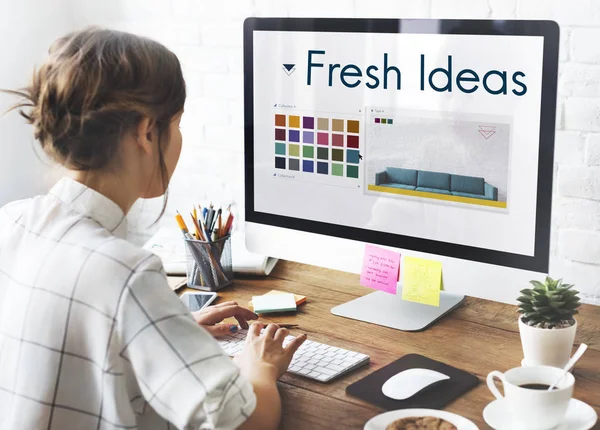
pixel 547 324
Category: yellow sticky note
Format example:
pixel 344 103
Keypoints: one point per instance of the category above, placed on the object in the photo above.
pixel 422 281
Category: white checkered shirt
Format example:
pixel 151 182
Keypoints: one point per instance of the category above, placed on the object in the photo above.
pixel 91 336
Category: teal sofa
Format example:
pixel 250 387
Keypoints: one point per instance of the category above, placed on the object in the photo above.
pixel 436 182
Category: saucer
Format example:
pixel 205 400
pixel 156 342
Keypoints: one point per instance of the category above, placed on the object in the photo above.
pixel 381 421
pixel 579 416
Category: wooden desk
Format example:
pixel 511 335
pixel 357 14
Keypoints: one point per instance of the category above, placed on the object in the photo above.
pixel 479 337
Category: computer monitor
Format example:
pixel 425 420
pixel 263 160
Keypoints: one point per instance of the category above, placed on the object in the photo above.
pixel 431 137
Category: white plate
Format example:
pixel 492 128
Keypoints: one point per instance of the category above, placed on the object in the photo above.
pixel 579 416
pixel 381 421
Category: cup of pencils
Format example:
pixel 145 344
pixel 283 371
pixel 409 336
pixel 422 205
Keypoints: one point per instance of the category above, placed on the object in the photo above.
pixel 208 248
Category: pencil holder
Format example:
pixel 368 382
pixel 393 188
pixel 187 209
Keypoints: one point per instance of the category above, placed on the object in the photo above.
pixel 208 264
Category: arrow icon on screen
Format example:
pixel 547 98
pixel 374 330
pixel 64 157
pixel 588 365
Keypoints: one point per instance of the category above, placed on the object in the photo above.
pixel 487 131
pixel 289 68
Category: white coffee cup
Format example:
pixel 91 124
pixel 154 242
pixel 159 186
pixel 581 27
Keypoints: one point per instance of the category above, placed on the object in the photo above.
pixel 529 408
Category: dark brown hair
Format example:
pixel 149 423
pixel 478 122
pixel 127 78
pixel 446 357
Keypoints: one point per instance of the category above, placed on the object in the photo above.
pixel 95 85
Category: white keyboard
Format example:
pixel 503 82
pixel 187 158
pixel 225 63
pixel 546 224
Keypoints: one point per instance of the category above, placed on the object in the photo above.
pixel 313 360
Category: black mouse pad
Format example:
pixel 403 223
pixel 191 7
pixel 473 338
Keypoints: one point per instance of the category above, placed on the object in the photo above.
pixel 435 396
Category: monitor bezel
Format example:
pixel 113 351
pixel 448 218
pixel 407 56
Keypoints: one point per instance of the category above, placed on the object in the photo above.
pixel 549 30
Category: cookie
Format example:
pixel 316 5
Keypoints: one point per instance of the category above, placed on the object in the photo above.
pixel 420 423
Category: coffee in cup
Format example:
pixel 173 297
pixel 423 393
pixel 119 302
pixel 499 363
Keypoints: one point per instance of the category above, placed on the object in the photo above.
pixel 527 399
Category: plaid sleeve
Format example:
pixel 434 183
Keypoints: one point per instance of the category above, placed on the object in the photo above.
pixel 181 370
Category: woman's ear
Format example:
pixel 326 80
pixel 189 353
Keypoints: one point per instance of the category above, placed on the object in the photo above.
pixel 145 134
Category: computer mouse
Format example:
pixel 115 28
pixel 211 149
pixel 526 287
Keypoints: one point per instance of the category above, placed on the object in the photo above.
pixel 409 382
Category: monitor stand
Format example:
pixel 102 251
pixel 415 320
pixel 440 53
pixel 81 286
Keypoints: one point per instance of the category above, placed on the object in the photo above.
pixel 391 311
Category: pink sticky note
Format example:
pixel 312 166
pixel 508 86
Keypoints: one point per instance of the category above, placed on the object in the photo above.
pixel 380 269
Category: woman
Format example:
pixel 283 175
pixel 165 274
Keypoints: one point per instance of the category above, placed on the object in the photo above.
pixel 91 336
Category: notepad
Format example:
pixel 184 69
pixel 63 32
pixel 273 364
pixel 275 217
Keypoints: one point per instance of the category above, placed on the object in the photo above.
pixel 422 281
pixel 299 298
pixel 274 303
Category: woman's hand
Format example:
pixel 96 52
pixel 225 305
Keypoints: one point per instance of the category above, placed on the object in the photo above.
pixel 264 357
pixel 210 318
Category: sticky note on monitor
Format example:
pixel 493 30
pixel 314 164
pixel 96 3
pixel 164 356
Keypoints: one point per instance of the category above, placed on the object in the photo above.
pixel 422 281
pixel 269 303
pixel 380 269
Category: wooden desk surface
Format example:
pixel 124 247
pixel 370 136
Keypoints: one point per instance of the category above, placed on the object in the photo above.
pixel 479 337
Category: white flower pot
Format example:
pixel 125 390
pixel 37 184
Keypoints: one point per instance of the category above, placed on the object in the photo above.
pixel 548 347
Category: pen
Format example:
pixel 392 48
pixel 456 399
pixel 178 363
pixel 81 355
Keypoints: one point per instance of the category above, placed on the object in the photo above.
pixel 287 325
pixel 209 218
pixel 218 223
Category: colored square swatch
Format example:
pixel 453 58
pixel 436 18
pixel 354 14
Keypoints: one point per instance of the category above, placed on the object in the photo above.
pixel 308 166
pixel 352 171
pixel 279 148
pixel 308 137
pixel 322 168
pixel 323 123
pixel 352 156
pixel 384 120
pixel 308 151
pixel 294 135
pixel 323 138
pixel 337 125
pixel 352 141
pixel 337 139
pixel 377 120
pixel 279 163
pixel 294 150
pixel 323 153
pixel 337 154
pixel 280 120
pixel 308 122
pixel 294 121
pixel 390 121
pixel 353 126
pixel 337 169
pixel 294 164
pixel 280 134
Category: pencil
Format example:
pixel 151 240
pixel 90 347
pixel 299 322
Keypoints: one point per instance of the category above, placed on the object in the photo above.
pixel 224 229
pixel 199 234
pixel 219 224
pixel 182 226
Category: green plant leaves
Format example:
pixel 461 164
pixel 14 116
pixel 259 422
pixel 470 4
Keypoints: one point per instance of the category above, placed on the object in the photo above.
pixel 550 302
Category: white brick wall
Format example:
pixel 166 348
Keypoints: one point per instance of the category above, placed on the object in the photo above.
pixel 207 36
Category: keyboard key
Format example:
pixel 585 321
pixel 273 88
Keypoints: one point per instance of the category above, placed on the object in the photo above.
pixel 325 371
pixel 312 360
pixel 334 367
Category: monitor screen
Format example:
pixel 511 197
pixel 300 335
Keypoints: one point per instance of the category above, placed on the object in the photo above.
pixel 429 135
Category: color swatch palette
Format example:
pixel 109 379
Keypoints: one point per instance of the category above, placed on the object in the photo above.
pixel 384 121
pixel 317 144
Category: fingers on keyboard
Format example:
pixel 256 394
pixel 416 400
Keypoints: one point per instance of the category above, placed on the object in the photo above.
pixel 312 359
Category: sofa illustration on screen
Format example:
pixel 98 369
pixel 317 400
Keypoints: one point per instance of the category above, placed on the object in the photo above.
pixel 436 182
